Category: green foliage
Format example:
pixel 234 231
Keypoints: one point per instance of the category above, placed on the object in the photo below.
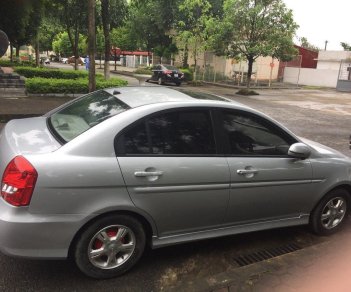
pixel 304 43
pixel 49 28
pixel 20 20
pixel 188 74
pixel 151 22
pixel 143 70
pixel 247 92
pixel 123 38
pixel 45 85
pixel 62 45
pixel 345 46
pixel 8 63
pixel 253 28
pixel 50 73
pixel 192 24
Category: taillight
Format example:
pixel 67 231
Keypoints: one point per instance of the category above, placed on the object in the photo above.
pixel 18 182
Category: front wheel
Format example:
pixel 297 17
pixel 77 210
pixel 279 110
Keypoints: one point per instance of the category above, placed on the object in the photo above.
pixel 110 246
pixel 331 212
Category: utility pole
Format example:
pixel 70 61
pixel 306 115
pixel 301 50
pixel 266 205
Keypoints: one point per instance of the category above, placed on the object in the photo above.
pixel 325 47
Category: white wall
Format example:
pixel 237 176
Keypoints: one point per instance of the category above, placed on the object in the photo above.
pixel 312 77
pixel 331 59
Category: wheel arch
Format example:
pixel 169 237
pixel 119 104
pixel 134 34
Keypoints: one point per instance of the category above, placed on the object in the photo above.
pixel 345 186
pixel 150 228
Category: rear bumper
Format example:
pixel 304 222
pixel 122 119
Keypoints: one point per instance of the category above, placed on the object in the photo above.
pixel 36 236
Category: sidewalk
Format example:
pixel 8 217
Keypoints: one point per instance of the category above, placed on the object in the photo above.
pixel 322 267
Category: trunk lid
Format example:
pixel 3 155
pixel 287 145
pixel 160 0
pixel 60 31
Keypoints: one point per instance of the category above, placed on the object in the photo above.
pixel 25 136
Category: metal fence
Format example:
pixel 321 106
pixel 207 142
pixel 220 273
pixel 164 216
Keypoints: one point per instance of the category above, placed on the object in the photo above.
pixel 266 71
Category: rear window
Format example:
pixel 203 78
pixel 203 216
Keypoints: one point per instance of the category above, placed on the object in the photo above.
pixel 84 113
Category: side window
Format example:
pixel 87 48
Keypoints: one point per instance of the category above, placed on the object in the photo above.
pixel 134 141
pixel 250 135
pixel 179 133
pixel 186 132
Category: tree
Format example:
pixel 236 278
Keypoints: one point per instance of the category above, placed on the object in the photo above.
pixel 124 38
pixel 20 20
pixel 73 16
pixel 48 30
pixel 253 28
pixel 152 21
pixel 62 46
pixel 113 14
pixel 304 43
pixel 192 32
pixel 345 46
pixel 91 44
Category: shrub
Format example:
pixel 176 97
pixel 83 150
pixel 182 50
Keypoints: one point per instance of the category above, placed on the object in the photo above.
pixel 46 85
pixel 188 74
pixel 247 91
pixel 8 63
pixel 50 73
pixel 143 70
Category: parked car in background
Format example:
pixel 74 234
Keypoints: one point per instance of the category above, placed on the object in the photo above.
pixel 163 73
pixel 44 60
pixel 64 60
pixel 71 60
pixel 105 174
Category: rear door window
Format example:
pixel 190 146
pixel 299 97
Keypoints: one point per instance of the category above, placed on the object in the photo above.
pixel 173 133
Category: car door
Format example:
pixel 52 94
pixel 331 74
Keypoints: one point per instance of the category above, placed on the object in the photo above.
pixel 266 184
pixel 172 171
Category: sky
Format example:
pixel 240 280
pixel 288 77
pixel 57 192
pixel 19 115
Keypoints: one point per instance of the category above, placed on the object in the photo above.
pixel 322 20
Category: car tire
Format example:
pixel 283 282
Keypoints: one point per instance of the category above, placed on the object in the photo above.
pixel 160 81
pixel 110 246
pixel 331 212
pixel 178 83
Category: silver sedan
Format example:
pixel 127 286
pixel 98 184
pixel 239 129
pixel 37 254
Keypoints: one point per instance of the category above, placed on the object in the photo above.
pixel 100 177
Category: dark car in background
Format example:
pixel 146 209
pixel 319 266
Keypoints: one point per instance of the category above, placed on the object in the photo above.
pixel 163 73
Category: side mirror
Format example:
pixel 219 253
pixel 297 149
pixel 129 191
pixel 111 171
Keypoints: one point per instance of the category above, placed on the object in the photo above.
pixel 299 150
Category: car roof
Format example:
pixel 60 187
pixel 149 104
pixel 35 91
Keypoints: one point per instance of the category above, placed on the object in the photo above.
pixel 144 95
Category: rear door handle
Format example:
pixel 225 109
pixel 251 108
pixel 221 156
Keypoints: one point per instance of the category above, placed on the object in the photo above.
pixel 147 173
pixel 246 171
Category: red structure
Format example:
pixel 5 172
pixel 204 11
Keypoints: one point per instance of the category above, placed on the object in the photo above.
pixel 306 59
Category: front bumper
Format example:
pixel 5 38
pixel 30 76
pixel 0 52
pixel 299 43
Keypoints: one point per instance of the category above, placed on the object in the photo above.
pixel 36 236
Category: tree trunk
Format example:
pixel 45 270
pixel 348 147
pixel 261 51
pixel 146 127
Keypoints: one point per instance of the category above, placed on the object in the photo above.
pixel 250 60
pixel 11 52
pixel 76 53
pixel 106 23
pixel 186 56
pixel 17 53
pixel 37 54
pixel 91 44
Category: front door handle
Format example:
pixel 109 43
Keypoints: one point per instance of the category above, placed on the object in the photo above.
pixel 148 173
pixel 246 171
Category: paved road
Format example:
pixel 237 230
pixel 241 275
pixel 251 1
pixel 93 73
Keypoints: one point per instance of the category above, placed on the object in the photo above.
pixel 319 115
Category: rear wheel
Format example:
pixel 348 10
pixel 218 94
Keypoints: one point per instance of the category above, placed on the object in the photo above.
pixel 331 212
pixel 110 246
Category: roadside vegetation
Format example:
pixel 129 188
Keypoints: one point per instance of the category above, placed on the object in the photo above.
pixel 41 80
pixel 237 29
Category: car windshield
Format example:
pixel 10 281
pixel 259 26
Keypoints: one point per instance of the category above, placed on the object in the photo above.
pixel 85 113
